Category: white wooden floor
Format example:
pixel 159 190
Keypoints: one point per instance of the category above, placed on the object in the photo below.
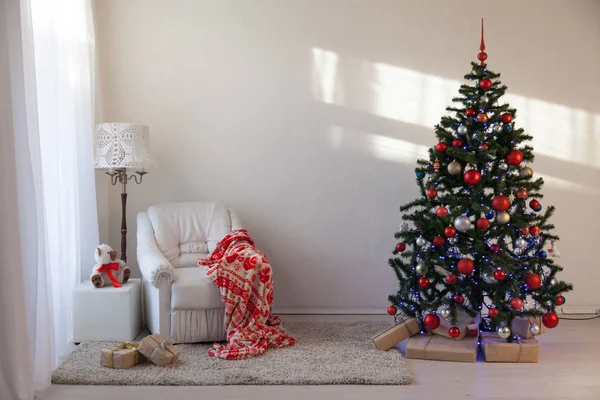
pixel 569 368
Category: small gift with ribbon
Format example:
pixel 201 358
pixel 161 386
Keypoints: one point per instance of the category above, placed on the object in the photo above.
pixel 121 356
pixel 435 347
pixel 496 349
pixel 521 326
pixel 464 323
pixel 393 335
pixel 159 350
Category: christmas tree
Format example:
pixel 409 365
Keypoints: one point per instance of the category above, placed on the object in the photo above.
pixel 475 241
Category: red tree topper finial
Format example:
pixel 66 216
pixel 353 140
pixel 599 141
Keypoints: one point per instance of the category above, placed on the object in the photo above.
pixel 482 56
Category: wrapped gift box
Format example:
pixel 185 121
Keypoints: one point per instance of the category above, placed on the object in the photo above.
pixel 393 335
pixel 121 356
pixel 521 325
pixel 434 347
pixel 496 349
pixel 463 322
pixel 159 350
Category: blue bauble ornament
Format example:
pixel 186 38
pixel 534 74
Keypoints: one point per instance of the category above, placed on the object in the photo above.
pixel 420 174
pixel 489 215
pixel 543 254
pixel 507 127
pixel 538 208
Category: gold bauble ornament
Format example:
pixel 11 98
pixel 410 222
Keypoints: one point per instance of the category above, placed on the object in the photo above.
pixel 503 217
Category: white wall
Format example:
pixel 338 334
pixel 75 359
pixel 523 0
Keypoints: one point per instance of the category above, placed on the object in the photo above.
pixel 307 117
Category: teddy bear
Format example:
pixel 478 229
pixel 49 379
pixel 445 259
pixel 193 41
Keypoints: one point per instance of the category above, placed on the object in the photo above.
pixel 109 269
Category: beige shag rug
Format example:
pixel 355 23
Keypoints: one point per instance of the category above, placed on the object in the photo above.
pixel 326 353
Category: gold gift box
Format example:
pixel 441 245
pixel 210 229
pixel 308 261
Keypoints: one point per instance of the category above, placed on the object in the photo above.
pixel 521 325
pixel 435 347
pixel 393 335
pixel 496 349
pixel 120 356
pixel 159 350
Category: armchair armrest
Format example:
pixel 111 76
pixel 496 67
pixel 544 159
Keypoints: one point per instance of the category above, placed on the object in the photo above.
pixel 153 264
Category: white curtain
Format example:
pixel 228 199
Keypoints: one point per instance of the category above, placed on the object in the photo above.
pixel 48 216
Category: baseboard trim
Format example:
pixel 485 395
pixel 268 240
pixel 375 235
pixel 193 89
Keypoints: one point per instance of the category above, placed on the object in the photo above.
pixel 331 311
pixel 578 310
pixel 377 311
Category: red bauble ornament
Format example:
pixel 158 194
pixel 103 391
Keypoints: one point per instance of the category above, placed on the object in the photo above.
pixel 431 321
pixel 431 193
pixel 506 118
pixel 466 266
pixel 439 241
pixel 423 282
pixel 441 147
pixel 499 275
pixel 450 279
pixel 495 248
pixel 534 230
pixel 522 194
pixel 533 281
pixel 472 177
pixel 485 83
pixel 525 230
pixel 560 300
pixel 493 312
pixel 454 332
pixel 457 143
pixel 484 146
pixel 459 299
pixel 515 157
pixel 482 117
pixel 470 112
pixel 500 203
pixel 473 332
pixel 392 310
pixel 441 212
pixel 400 247
pixel 550 320
pixel 533 204
pixel 482 56
pixel 482 223
pixel 516 304
pixel 450 231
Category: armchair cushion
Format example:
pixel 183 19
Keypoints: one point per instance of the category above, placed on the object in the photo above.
pixel 194 290
pixel 186 232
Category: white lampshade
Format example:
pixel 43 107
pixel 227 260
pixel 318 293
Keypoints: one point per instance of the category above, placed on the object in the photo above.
pixel 123 145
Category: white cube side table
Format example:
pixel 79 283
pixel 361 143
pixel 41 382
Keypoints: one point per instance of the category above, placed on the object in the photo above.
pixel 108 313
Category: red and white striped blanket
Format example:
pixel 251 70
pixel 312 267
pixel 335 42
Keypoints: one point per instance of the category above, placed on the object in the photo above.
pixel 244 276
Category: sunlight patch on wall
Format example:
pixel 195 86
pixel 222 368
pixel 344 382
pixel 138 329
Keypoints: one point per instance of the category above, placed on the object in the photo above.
pixel 382 147
pixel 417 98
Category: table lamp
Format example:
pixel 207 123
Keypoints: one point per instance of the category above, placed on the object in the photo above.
pixel 123 149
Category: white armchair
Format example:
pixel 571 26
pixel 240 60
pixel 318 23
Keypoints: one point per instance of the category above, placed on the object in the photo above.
pixel 180 301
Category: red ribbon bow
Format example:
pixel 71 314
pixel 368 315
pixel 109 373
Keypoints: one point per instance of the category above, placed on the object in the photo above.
pixel 109 268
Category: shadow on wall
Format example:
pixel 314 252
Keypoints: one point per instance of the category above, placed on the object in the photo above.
pixel 401 94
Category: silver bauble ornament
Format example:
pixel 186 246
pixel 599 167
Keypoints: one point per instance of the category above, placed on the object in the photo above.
pixel 521 243
pixel 444 313
pixel 488 277
pixel 518 251
pixel 421 241
pixel 454 168
pixel 535 329
pixel 462 130
pixel 526 172
pixel 497 128
pixel 503 217
pixel 462 223
pixel 504 332
pixel 484 99
pixel 553 282
pixel 503 166
pixel 421 269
